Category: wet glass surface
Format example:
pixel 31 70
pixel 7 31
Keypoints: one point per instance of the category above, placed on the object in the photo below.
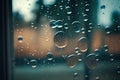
pixel 66 39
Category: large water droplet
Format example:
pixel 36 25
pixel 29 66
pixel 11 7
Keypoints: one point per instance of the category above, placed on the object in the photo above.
pixel 72 60
pixel 91 61
pixel 33 62
pixel 20 39
pixel 76 25
pixel 60 39
pixel 83 44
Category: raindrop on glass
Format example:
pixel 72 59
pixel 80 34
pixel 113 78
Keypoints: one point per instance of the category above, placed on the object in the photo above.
pixel 76 25
pixel 59 23
pixel 86 9
pixel 60 39
pixel 66 26
pixel 111 59
pixel 83 44
pixel 85 20
pixel 97 78
pixel 20 39
pixel 49 56
pixel 26 61
pixel 102 7
pixel 68 10
pixel 118 28
pixel 79 60
pixel 72 60
pixel 53 24
pixel 106 48
pixel 33 62
pixel 75 75
pixel 91 61
pixel 108 32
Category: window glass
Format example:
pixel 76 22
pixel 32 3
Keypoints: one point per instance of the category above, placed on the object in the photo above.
pixel 66 39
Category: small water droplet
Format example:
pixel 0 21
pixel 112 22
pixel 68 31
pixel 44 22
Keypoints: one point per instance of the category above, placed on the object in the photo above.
pixel 33 62
pixel 85 20
pixel 68 10
pixel 102 7
pixel 83 44
pixel 106 48
pixel 111 59
pixel 97 78
pixel 66 26
pixel 60 39
pixel 72 60
pixel 49 56
pixel 86 76
pixel 20 39
pixel 87 9
pixel 118 72
pixel 118 28
pixel 76 26
pixel 108 32
pixel 79 60
pixel 26 61
pixel 75 75
pixel 89 30
pixel 53 24
pixel 59 23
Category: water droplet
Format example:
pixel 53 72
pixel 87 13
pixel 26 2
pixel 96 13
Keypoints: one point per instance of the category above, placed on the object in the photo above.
pixel 68 10
pixel 83 32
pixel 79 60
pixel 75 75
pixel 77 50
pixel 102 7
pixel 53 24
pixel 59 23
pixel 49 56
pixel 106 48
pixel 86 76
pixel 72 60
pixel 89 30
pixel 91 61
pixel 26 61
pixel 76 4
pixel 76 25
pixel 20 39
pixel 33 62
pixel 118 72
pixel 85 20
pixel 60 39
pixel 118 28
pixel 97 78
pixel 83 44
pixel 111 59
pixel 108 32
pixel 86 9
pixel 66 26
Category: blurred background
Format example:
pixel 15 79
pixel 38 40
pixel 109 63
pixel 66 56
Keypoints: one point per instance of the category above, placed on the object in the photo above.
pixel 66 39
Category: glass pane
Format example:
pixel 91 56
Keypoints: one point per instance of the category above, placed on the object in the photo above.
pixel 66 39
